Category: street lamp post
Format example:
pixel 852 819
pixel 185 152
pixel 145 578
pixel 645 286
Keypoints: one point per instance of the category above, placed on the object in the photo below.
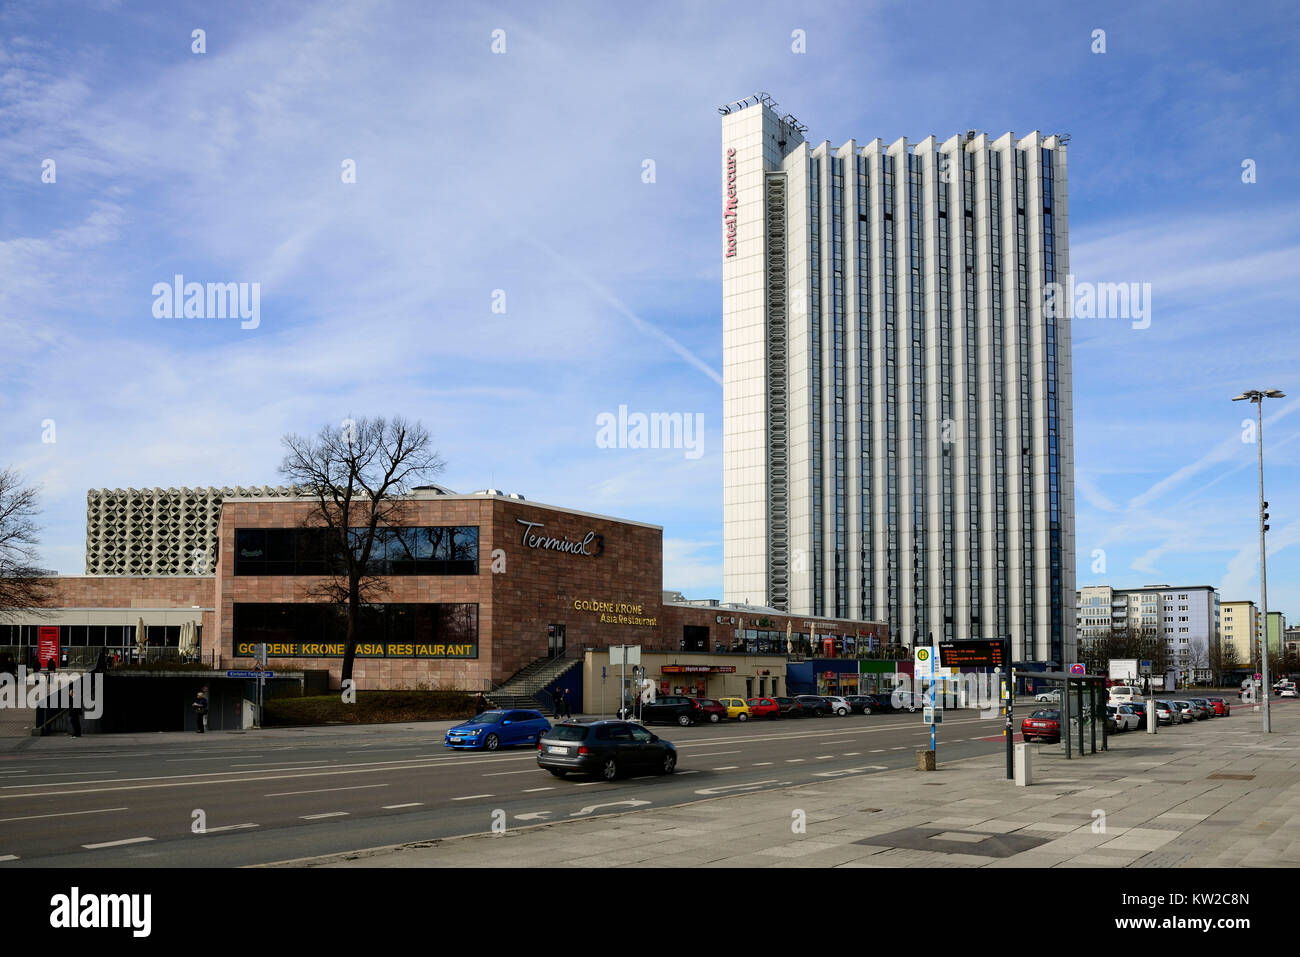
pixel 1258 396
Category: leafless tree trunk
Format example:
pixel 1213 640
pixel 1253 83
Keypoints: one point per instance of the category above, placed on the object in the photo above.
pixel 357 473
pixel 22 586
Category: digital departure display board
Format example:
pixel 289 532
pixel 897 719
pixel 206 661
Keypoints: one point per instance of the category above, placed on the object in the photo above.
pixel 975 653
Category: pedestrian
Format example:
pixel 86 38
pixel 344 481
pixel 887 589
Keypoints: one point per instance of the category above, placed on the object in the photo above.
pixel 480 704
pixel 74 716
pixel 200 711
pixel 564 703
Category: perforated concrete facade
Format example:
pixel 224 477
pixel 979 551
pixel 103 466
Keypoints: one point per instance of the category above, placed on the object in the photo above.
pixel 158 531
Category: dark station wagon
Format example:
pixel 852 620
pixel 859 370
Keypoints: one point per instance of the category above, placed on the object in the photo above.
pixel 606 749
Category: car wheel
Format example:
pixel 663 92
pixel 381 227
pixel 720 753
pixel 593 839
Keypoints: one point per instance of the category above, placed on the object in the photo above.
pixel 610 769
pixel 669 763
pixel 684 720
pixel 559 773
pixel 911 708
pixel 491 742
pixel 714 718
pixel 842 712
pixel 742 717
pixel 866 711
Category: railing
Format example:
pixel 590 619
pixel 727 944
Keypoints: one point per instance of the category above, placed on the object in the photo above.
pixel 87 658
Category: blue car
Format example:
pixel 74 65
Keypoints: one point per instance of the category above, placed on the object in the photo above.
pixel 498 728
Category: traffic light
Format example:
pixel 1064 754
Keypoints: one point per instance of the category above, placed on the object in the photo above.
pixel 1263 515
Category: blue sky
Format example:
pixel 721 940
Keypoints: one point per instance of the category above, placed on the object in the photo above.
pixel 522 172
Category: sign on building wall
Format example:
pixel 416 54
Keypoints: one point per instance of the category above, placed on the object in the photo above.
pixel 47 644
pixel 303 649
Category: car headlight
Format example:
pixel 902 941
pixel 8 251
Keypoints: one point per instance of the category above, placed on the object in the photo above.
pixel 476 731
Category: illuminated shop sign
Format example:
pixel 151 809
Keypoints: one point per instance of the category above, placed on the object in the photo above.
pixel 590 545
pixel 697 669
pixel 729 207
pixel 617 612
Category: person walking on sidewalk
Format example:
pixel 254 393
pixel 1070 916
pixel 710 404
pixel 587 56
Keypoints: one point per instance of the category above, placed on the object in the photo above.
pixel 200 711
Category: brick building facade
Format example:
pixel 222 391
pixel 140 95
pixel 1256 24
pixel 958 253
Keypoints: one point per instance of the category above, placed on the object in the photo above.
pixel 474 588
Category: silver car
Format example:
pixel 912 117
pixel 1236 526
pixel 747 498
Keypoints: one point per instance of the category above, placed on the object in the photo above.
pixel 1185 709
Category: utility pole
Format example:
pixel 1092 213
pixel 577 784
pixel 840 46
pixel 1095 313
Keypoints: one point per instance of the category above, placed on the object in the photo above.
pixel 1258 396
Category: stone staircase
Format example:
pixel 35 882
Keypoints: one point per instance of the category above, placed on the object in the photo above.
pixel 525 689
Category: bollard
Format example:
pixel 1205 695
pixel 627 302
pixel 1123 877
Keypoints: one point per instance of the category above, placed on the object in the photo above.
pixel 925 760
pixel 1024 766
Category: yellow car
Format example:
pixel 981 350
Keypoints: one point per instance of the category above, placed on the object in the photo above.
pixel 736 708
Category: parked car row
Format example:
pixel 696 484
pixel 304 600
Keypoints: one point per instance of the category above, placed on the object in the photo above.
pixel 507 727
pixel 1045 724
pixel 684 711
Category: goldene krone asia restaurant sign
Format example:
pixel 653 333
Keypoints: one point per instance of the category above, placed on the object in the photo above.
pixel 616 612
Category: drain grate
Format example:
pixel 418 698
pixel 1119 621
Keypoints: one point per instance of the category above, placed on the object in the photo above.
pixel 1231 777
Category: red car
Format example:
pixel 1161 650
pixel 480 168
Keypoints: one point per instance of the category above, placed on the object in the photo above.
pixel 713 711
pixel 1220 706
pixel 763 707
pixel 1042 725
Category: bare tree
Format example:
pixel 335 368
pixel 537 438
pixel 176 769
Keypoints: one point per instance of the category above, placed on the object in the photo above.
pixel 1124 642
pixel 357 474
pixel 23 587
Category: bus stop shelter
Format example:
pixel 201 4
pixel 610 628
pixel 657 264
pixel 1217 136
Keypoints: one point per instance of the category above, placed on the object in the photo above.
pixel 1082 696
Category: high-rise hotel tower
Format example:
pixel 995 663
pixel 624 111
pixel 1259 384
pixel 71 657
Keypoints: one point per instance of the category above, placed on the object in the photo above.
pixel 898 441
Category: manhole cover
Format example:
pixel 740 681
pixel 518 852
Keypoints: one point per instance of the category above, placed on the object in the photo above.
pixel 1232 777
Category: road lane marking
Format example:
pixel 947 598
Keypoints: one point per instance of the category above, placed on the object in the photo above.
pixel 471 797
pixel 843 771
pixel 225 758
pixel 33 817
pixel 301 765
pixel 55 774
pixel 533 790
pixel 877 750
pixel 901 747
pixel 850 754
pixel 228 827
pixel 793 760
pixel 394 807
pixel 533 816
pixel 729 767
pixel 129 840
pixel 760 764
pixel 713 754
pixel 823 757
pixel 592 808
pixel 587 784
pixel 497 774
pixel 8 857
pixel 317 817
pixel 357 787
pixel 731 788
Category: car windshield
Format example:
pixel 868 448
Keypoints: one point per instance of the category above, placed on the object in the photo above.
pixel 487 717
pixel 1053 715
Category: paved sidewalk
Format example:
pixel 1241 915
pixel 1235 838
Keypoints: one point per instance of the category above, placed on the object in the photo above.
pixel 1217 793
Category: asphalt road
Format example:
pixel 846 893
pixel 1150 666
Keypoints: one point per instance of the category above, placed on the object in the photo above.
pixel 227 800
pixel 224 800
